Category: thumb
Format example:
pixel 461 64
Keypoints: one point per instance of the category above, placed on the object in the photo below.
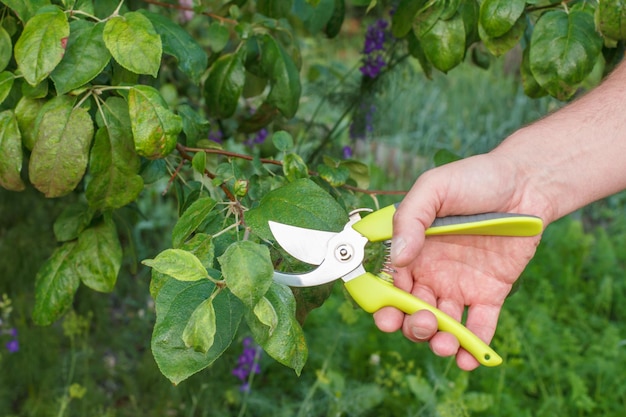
pixel 410 222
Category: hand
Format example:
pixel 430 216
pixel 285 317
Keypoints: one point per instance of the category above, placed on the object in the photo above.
pixel 452 272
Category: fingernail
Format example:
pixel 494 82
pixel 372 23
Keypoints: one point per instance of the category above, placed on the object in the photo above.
pixel 420 333
pixel 397 246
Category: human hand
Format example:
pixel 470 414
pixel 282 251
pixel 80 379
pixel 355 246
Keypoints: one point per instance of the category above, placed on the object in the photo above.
pixel 452 272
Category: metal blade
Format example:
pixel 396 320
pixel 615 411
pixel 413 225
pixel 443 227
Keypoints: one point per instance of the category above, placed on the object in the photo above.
pixel 306 245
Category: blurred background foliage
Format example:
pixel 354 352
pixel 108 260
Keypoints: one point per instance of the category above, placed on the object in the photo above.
pixel 562 334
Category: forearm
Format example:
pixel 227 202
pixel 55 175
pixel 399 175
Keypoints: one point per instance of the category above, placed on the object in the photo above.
pixel 576 155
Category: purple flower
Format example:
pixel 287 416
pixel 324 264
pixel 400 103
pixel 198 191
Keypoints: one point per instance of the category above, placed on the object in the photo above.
pixel 216 136
pixel 13 346
pixel 247 363
pixel 259 138
pixel 347 152
pixel 376 38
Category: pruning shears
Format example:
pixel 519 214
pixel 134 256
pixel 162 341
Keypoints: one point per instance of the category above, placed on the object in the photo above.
pixel 341 255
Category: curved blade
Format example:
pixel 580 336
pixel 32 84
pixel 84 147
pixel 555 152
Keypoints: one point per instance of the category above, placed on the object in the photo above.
pixel 306 245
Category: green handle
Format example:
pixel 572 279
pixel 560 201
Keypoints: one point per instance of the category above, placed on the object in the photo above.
pixel 378 225
pixel 372 293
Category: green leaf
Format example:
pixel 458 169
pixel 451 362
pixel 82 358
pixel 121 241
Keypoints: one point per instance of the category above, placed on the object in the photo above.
pixel 300 203
pixel 72 220
pixel 85 57
pixel 218 36
pixel 25 9
pixel 198 162
pixel 134 43
pixel 282 140
pixel 10 152
pixel 294 167
pixel 444 43
pixel 224 85
pixel 310 298
pixel 417 51
pixel 192 59
pixel 6 83
pixel 444 156
pixel 276 9
pixel 402 19
pixel 359 172
pixel 199 333
pixel 335 176
pixel 498 46
pixel 248 271
pixel 531 87
pixel 564 49
pixel 6 48
pixel 155 128
pixel 191 219
pixel 201 245
pixel 61 151
pixel 266 314
pixel 114 165
pixel 175 303
pixel 610 19
pixel 497 17
pixel 98 256
pixel 179 264
pixel 26 113
pixel 41 45
pixel 55 285
pixel 285 342
pixel 283 76
pixel 195 126
pixel 334 23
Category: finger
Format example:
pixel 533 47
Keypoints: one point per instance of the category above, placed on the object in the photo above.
pixel 412 217
pixel 420 326
pixel 482 321
pixel 389 319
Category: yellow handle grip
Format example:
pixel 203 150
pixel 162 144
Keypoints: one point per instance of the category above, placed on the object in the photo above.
pixel 378 225
pixel 372 293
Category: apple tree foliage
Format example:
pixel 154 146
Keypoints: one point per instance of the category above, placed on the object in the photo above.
pixel 102 99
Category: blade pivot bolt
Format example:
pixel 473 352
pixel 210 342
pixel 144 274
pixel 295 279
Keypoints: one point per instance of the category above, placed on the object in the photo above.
pixel 344 252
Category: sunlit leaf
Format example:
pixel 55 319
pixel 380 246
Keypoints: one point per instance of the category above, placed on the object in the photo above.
pixel 134 43
pixel 248 271
pixel 179 264
pixel 41 45
pixel 498 46
pixel 199 333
